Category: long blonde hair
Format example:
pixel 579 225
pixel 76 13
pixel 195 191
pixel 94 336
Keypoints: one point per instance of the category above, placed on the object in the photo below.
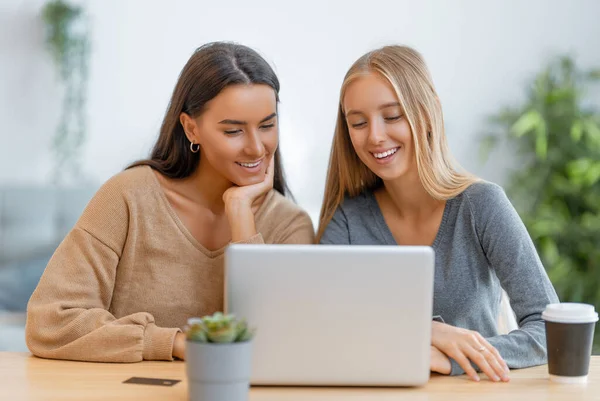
pixel 407 72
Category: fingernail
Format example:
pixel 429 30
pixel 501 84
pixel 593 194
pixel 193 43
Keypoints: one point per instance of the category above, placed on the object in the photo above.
pixel 496 378
pixel 476 378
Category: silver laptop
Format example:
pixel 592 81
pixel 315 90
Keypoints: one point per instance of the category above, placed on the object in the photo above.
pixel 334 315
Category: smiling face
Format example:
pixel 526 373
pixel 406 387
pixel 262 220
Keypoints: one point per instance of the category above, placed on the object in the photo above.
pixel 237 132
pixel 378 128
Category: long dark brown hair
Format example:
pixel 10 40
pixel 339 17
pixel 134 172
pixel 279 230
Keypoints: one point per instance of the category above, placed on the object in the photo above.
pixel 212 68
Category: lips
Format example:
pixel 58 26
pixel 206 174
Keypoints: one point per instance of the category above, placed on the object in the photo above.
pixel 249 164
pixel 385 153
pixel 251 167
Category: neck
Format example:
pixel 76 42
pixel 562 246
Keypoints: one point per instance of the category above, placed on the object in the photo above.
pixel 409 197
pixel 207 186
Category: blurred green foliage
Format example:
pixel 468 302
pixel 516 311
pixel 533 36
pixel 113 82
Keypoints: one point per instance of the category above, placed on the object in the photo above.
pixel 67 39
pixel 555 185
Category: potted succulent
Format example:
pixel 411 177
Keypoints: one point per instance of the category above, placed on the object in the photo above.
pixel 218 357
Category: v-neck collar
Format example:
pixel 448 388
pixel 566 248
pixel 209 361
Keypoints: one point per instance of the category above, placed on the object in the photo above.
pixel 384 229
pixel 184 230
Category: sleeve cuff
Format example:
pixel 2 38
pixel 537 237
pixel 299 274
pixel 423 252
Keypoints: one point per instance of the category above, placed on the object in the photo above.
pixel 255 239
pixel 158 343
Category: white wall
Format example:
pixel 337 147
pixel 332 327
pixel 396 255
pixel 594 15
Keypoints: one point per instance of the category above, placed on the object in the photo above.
pixel 480 54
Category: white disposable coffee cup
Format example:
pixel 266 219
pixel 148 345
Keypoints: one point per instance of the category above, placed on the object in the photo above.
pixel 569 336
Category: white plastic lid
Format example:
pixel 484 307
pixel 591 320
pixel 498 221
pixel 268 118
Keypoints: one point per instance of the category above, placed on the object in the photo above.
pixel 570 312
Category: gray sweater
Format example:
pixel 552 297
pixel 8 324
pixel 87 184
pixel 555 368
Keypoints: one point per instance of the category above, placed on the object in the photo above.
pixel 481 246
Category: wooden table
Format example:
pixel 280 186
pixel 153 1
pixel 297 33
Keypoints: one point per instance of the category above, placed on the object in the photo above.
pixel 24 377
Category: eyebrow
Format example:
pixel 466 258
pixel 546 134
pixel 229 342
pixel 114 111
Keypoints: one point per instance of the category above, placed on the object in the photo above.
pixel 239 122
pixel 383 106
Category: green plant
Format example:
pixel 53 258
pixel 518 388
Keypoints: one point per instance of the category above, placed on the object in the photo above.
pixel 218 328
pixel 556 190
pixel 68 42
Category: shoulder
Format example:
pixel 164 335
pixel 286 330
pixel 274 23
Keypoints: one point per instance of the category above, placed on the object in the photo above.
pixel 111 206
pixel 282 221
pixel 279 207
pixel 353 214
pixel 130 181
pixel 127 187
pixel 356 205
pixel 485 195
pixel 355 208
pixel 487 201
pixel 482 191
pixel 355 211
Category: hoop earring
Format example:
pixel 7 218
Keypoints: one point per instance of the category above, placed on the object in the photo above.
pixel 194 150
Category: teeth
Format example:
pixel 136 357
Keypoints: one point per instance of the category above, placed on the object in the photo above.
pixel 385 154
pixel 249 165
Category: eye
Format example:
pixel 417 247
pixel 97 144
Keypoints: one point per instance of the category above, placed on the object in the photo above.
pixel 392 119
pixel 359 125
pixel 267 126
pixel 233 131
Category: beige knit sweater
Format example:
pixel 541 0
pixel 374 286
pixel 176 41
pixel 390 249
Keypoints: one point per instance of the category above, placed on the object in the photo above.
pixel 126 278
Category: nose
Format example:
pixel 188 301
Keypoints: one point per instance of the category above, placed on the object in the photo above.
pixel 254 146
pixel 376 132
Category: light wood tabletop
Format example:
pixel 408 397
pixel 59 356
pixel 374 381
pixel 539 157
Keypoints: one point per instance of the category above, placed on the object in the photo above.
pixel 24 377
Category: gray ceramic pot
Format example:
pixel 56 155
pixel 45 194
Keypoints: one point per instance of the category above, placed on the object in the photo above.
pixel 218 372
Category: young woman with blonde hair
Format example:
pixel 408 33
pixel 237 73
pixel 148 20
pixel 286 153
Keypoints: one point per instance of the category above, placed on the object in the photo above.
pixel 392 181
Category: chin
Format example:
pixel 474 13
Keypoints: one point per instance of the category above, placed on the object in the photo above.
pixel 243 182
pixel 242 177
pixel 389 175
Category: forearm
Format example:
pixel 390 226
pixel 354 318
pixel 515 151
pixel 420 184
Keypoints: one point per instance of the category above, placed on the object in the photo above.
pixel 524 347
pixel 68 316
pixel 179 346
pixel 519 349
pixel 241 221
pixel 95 335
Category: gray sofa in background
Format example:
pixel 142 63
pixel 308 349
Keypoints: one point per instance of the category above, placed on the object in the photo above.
pixel 33 222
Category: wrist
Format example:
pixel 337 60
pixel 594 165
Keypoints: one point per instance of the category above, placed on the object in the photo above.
pixel 437 329
pixel 440 363
pixel 179 346
pixel 235 205
pixel 241 221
